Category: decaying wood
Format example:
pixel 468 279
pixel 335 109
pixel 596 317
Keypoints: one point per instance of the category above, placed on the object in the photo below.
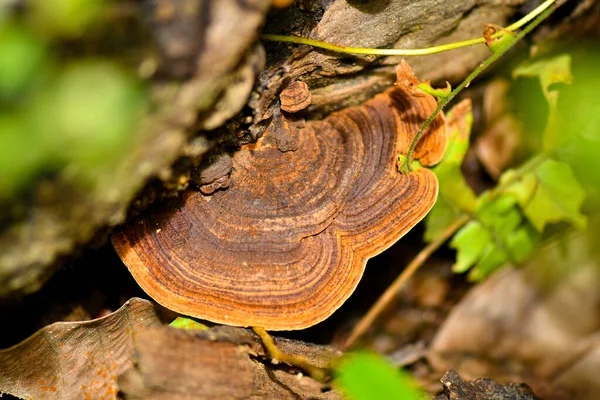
pixel 219 364
pixel 455 388
pixel 337 81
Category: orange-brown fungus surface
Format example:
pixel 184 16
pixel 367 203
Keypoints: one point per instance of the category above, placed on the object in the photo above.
pixel 286 244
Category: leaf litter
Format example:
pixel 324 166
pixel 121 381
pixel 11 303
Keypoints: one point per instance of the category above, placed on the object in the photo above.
pixel 70 360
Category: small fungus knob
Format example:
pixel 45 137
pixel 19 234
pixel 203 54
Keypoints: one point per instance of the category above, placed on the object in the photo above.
pixel 214 174
pixel 295 97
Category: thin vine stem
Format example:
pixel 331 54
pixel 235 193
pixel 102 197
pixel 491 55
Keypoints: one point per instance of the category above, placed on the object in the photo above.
pixel 405 52
pixel 371 51
pixel 273 351
pixel 530 16
pixel 476 72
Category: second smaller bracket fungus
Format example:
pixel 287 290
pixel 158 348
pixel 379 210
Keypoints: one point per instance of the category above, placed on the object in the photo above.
pixel 286 244
pixel 214 175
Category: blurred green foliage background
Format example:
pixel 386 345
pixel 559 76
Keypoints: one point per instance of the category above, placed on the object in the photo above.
pixel 60 113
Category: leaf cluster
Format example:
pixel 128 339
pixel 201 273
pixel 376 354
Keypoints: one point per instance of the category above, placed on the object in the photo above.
pixel 507 222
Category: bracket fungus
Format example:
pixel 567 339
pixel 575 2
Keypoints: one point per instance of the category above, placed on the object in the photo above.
pixel 286 244
pixel 295 97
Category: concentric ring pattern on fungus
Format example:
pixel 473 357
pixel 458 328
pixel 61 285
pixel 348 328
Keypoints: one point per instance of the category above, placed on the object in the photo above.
pixel 286 244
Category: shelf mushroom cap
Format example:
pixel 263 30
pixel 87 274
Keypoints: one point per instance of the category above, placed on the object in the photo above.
pixel 286 244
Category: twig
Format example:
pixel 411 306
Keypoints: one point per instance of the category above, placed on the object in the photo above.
pixel 273 351
pixel 391 292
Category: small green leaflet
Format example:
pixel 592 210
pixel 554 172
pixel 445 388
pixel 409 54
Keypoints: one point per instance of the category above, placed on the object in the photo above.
pixel 550 193
pixel 367 376
pixel 437 93
pixel 470 242
pixel 455 195
pixel 187 323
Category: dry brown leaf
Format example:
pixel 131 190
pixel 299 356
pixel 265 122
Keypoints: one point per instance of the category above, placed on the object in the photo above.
pixel 74 360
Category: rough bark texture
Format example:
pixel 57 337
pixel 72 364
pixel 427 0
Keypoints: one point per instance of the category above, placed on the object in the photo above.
pixel 226 363
pixel 455 388
pixel 340 80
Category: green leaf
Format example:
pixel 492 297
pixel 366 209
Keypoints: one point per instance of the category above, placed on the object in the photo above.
pixel 550 193
pixel 522 242
pixel 22 58
pixel 458 142
pixel 187 323
pixel 523 189
pixel 490 209
pixel 492 258
pixel 516 247
pixel 455 196
pixel 501 217
pixel 549 71
pixel 367 376
pixel 579 105
pixel 438 220
pixel 470 243
pixel 19 159
pixel 65 17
